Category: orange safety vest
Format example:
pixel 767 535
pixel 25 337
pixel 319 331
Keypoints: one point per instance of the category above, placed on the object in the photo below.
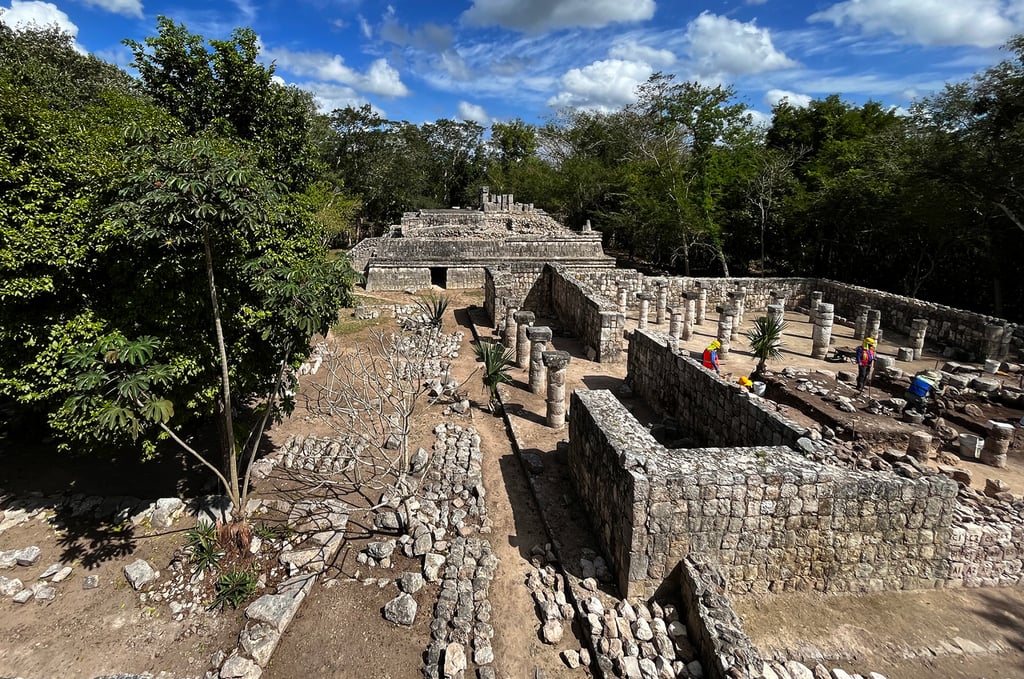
pixel 865 356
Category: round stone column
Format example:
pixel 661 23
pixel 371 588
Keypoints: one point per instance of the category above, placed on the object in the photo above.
pixel 675 323
pixel 645 308
pixel 702 305
pixel 511 329
pixel 661 304
pixel 860 324
pixel 691 315
pixel 539 336
pixel 726 318
pixel 920 446
pixel 557 363
pixel 775 313
pixel 874 324
pixel 736 302
pixel 823 316
pixel 997 443
pixel 993 343
pixel 524 319
pixel 812 306
pixel 778 297
pixel 918 329
pixel 623 300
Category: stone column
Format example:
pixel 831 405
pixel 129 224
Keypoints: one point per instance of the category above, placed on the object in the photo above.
pixel 778 297
pixel 661 304
pixel 993 343
pixel 860 324
pixel 775 313
pixel 918 328
pixel 623 300
pixel 726 318
pixel 702 305
pixel 812 308
pixel 556 363
pixel 675 324
pixel 524 319
pixel 1008 330
pixel 996 445
pixel 691 315
pixel 874 324
pixel 645 308
pixel 824 314
pixel 511 329
pixel 539 336
pixel 736 302
pixel 919 446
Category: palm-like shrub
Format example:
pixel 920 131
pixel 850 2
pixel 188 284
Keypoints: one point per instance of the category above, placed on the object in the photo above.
pixel 433 308
pixel 497 360
pixel 766 340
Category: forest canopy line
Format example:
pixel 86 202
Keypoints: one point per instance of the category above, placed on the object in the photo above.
pixel 125 200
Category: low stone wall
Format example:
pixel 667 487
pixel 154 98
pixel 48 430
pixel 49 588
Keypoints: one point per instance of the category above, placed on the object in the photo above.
pixel 397 278
pixel 946 325
pixel 590 316
pixel 758 290
pixel 464 277
pixel 709 409
pixel 771 518
pixel 363 251
pixel 521 285
pixel 984 555
pixel 712 624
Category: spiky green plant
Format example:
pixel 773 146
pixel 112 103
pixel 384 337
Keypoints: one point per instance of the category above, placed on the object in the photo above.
pixel 206 552
pixel 497 360
pixel 234 588
pixel 766 340
pixel 433 307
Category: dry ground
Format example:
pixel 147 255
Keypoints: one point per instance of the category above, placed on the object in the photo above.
pixel 340 632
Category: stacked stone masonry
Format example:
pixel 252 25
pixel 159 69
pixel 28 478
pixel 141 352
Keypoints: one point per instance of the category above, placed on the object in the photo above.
pixel 709 409
pixel 772 519
pixel 590 316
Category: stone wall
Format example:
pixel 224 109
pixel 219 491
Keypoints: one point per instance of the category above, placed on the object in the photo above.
pixel 586 313
pixel 758 289
pixel 986 555
pixel 946 326
pixel 398 278
pixel 464 277
pixel 521 285
pixel 361 254
pixel 709 409
pixel 772 519
pixel 712 624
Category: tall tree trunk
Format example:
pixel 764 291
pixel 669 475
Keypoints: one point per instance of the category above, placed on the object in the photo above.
pixel 225 421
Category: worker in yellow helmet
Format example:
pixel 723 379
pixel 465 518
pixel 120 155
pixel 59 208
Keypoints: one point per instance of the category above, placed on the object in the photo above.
pixel 711 356
pixel 865 359
pixel 745 382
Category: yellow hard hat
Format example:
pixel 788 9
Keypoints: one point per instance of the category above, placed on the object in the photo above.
pixel 870 341
pixel 715 344
pixel 745 381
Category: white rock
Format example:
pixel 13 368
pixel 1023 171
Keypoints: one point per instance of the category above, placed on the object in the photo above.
pixel 10 586
pixel 62 574
pixel 552 632
pixel 454 660
pixel 139 574
pixel 798 670
pixel 571 658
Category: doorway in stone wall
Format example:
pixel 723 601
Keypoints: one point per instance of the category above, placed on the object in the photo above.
pixel 439 276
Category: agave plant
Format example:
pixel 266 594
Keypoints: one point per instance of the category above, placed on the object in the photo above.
pixel 433 308
pixel 497 360
pixel 766 340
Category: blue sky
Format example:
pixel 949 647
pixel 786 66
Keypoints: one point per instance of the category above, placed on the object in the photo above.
pixel 486 60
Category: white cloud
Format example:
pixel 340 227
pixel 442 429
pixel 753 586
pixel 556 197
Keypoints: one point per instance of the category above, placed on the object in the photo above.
pixel 759 118
pixel 773 97
pixel 534 16
pixel 381 78
pixel 364 27
pixel 433 37
pixel 632 51
pixel 719 45
pixel 603 85
pixel 474 112
pixel 130 8
pixel 982 23
pixel 329 96
pixel 40 14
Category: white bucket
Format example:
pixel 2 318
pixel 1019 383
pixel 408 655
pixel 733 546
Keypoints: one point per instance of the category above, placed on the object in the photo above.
pixel 992 366
pixel 757 388
pixel 970 445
